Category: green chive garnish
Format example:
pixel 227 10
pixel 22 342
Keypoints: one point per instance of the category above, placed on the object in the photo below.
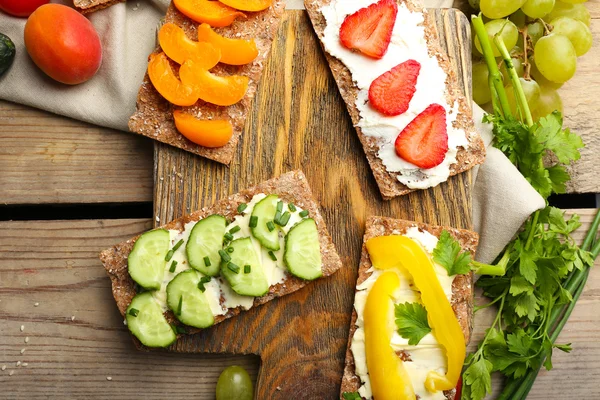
pixel 253 221
pixel 284 219
pixel 229 236
pixel 270 226
pixel 303 213
pixel 178 329
pixel 180 305
pixel 280 206
pixel 178 245
pixel 277 216
pixel 247 269
pixel 235 229
pixel 233 268
pixel 205 279
pixel 207 261
pixel 272 255
pixel 224 256
pixel 134 312
pixel 173 266
pixel 169 255
pixel 201 286
pixel 292 207
pixel 242 207
pixel 230 249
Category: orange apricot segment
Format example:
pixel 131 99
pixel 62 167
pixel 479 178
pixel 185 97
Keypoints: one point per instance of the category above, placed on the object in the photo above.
pixel 179 48
pixel 219 90
pixel 207 133
pixel 233 51
pixel 248 5
pixel 166 83
pixel 213 13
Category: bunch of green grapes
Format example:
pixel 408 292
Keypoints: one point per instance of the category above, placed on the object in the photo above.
pixel 544 37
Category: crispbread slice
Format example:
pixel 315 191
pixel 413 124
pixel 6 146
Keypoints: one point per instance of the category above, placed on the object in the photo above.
pixel 291 187
pixel 462 288
pixel 154 115
pixel 388 183
pixel 89 6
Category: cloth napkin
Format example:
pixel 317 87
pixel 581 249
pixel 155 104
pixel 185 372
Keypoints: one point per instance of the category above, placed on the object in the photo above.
pixel 502 198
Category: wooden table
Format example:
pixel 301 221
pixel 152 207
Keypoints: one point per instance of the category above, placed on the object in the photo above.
pixel 73 343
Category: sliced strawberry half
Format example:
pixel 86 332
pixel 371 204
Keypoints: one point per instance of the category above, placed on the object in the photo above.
pixel 369 30
pixel 424 142
pixel 392 91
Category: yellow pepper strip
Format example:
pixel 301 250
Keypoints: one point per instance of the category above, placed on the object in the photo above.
pixel 389 379
pixel 388 252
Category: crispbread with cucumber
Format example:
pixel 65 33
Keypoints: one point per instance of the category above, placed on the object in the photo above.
pixel 256 245
pixel 415 340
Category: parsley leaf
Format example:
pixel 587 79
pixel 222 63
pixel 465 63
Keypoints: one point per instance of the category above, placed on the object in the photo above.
pixel 447 253
pixel 411 320
pixel 478 377
pixel 351 396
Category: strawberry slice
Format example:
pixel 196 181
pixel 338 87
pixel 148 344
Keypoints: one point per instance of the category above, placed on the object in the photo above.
pixel 369 30
pixel 392 91
pixel 424 142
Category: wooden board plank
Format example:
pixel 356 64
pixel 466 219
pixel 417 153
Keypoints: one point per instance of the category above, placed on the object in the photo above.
pixel 45 158
pixel 299 121
pixel 55 264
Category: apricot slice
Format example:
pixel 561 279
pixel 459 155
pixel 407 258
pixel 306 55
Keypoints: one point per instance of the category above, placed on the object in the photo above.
pixel 248 5
pixel 219 90
pixel 233 51
pixel 179 48
pixel 207 133
pixel 213 13
pixel 166 83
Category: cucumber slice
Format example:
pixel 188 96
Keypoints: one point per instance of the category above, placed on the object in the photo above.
pixel 253 283
pixel 206 239
pixel 146 262
pixel 146 321
pixel 265 211
pixel 302 254
pixel 195 310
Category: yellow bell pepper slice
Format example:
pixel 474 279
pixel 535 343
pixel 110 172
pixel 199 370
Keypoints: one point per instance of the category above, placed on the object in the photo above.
pixel 395 251
pixel 389 378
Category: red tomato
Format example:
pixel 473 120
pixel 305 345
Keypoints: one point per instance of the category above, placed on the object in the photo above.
pixel 21 8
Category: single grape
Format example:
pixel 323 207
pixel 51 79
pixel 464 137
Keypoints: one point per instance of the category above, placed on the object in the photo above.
pixel 539 78
pixel 518 18
pixel 537 8
pixel 531 89
pixel 507 31
pixel 535 31
pixel 577 32
pixel 575 11
pixel 499 8
pixel 548 102
pixel 234 384
pixel 555 58
pixel 518 68
pixel 481 87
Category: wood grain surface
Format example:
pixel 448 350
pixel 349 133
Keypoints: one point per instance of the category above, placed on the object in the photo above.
pixel 299 121
pixel 55 264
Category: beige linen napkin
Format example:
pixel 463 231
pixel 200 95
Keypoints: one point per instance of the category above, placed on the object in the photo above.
pixel 502 197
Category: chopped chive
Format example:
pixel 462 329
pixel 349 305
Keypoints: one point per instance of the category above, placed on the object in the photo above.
pixel 173 266
pixel 272 255
pixel 280 206
pixel 270 226
pixel 292 207
pixel 233 268
pixel 303 213
pixel 247 269
pixel 134 312
pixel 277 216
pixel 284 219
pixel 205 279
pixel 224 256
pixel 230 249
pixel 235 229
pixel 207 261
pixel 242 207
pixel 201 286
pixel 229 236
pixel 169 255
pixel 253 221
pixel 180 305
pixel 178 245
pixel 178 329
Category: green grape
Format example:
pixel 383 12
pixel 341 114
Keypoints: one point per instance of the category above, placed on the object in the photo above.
pixel 481 87
pixel 555 58
pixel 535 31
pixel 575 11
pixel 531 89
pixel 537 8
pixel 507 31
pixel 518 18
pixel 577 32
pixel 519 68
pixel 548 102
pixel 539 78
pixel 234 384
pixel 499 8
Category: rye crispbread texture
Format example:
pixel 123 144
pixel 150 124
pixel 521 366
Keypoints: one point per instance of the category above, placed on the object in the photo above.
pixel 154 115
pixel 90 6
pixel 462 287
pixel 388 183
pixel 291 187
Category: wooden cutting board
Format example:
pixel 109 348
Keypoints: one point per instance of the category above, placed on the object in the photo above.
pixel 299 121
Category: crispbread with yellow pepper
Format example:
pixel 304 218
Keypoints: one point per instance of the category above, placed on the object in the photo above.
pixel 462 287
